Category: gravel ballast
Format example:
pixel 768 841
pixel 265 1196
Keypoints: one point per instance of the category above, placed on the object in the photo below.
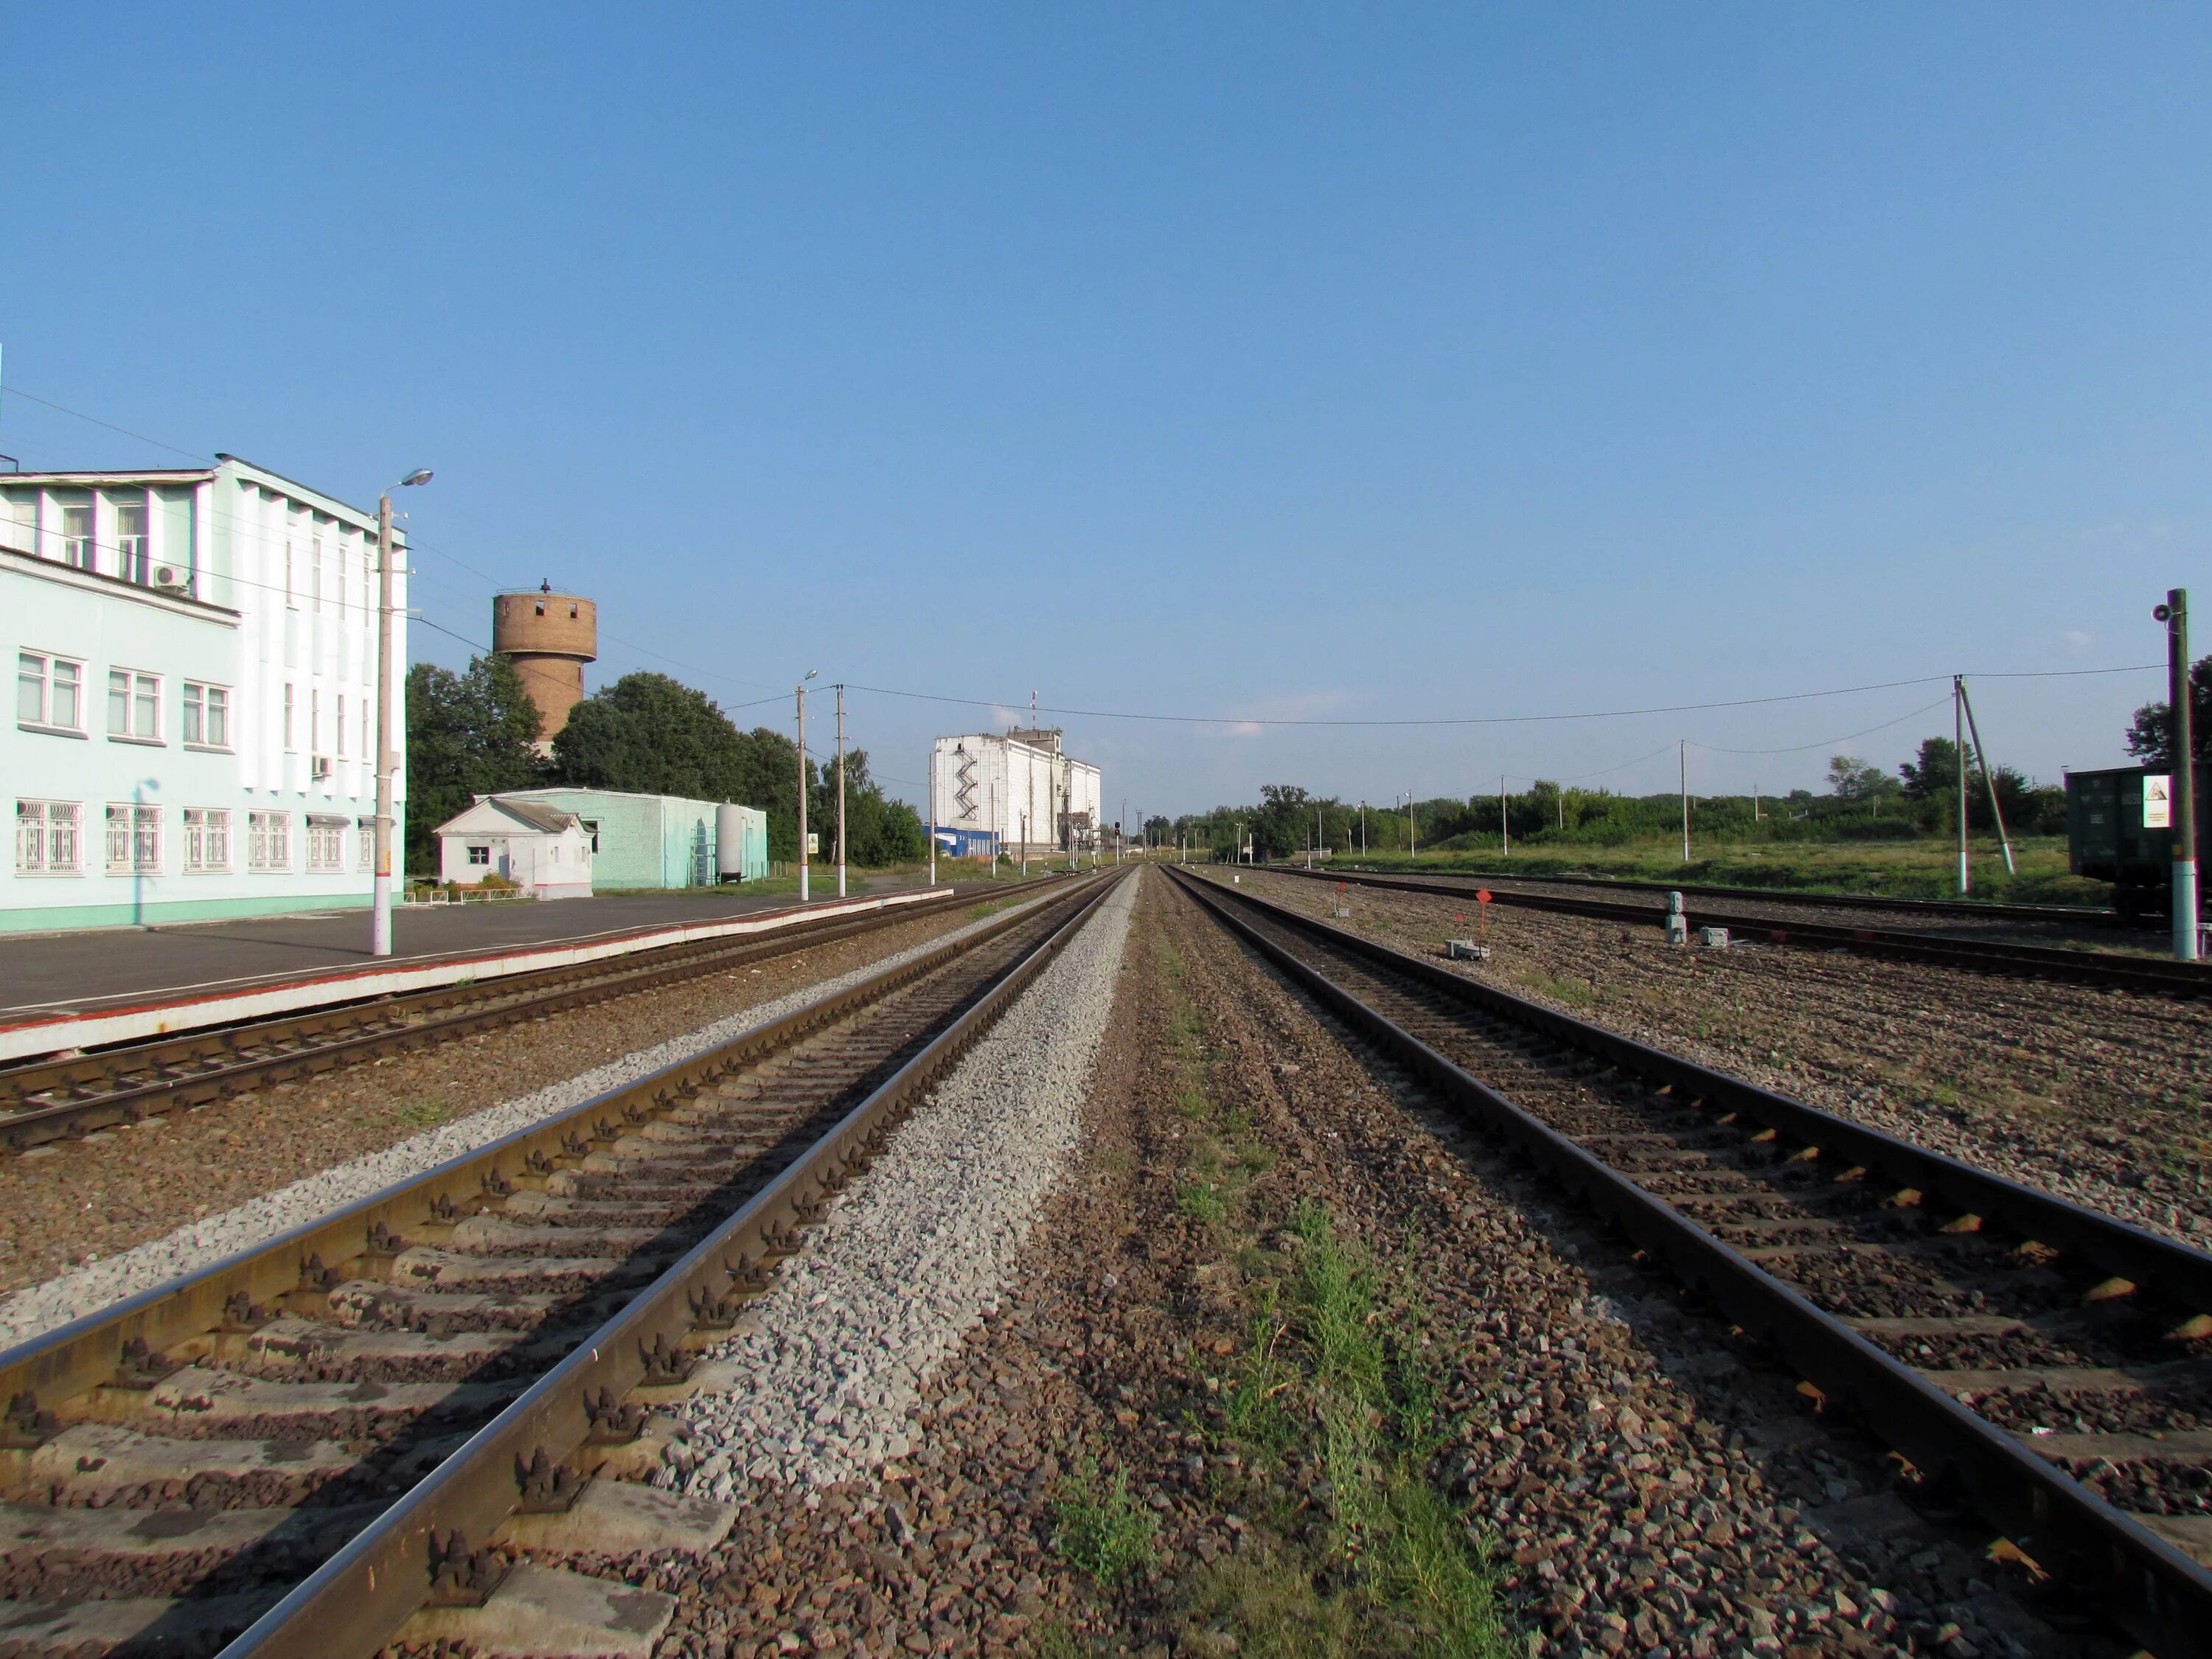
pixel 43 1307
pixel 2092 1095
pixel 920 1254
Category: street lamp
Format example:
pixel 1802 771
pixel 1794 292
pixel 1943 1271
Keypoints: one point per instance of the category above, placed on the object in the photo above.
pixel 799 692
pixel 380 924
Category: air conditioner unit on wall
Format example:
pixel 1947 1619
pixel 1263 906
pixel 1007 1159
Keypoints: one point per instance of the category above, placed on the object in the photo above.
pixel 171 575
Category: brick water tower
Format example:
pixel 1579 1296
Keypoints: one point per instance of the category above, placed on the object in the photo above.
pixel 548 637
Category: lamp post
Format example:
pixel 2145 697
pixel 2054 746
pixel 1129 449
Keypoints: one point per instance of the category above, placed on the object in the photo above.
pixel 380 924
pixel 2182 790
pixel 799 692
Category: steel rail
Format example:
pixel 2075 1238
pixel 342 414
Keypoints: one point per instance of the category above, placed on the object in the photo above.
pixel 353 1602
pixel 1956 907
pixel 2019 961
pixel 2158 1593
pixel 175 1073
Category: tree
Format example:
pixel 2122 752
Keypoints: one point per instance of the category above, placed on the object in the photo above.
pixel 1850 778
pixel 468 734
pixel 1935 776
pixel 2150 738
pixel 657 736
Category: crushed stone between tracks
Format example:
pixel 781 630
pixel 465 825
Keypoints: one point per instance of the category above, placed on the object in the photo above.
pixel 920 1252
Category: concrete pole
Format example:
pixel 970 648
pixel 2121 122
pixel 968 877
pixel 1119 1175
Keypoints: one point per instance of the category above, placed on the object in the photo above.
pixel 1412 831
pixel 1685 747
pixel 379 927
pixel 933 815
pixel 800 693
pixel 1958 748
pixel 1504 827
pixel 840 790
pixel 2183 790
pixel 1988 778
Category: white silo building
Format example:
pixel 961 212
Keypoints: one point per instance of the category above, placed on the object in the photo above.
pixel 1015 790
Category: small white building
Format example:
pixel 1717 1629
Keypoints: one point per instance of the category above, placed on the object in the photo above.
pixel 195 658
pixel 545 852
pixel 1017 788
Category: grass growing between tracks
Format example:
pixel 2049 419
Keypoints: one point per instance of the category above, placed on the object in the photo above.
pixel 1328 1434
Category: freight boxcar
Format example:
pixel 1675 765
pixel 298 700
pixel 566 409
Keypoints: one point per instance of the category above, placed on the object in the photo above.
pixel 2111 837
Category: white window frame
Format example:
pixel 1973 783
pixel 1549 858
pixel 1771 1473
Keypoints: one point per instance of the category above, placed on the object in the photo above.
pixel 49 837
pixel 325 844
pixel 291 747
pixel 480 856
pixel 338 725
pixel 365 837
pixel 269 842
pixel 141 706
pixel 207 839
pixel 45 676
pixel 134 839
pixel 133 561
pixel 80 552
pixel 206 708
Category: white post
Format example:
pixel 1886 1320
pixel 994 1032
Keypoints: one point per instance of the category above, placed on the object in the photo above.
pixel 933 815
pixel 379 940
pixel 1505 830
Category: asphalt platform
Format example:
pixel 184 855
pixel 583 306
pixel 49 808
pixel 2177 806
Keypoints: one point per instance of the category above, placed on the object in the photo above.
pixel 90 972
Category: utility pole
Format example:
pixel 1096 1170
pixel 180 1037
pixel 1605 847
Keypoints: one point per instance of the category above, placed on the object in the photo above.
pixel 2174 613
pixel 1026 841
pixel 1989 779
pixel 1685 798
pixel 1504 828
pixel 1413 830
pixel 1959 747
pixel 1754 800
pixel 933 815
pixel 840 789
pixel 1363 826
pixel 799 692
pixel 387 759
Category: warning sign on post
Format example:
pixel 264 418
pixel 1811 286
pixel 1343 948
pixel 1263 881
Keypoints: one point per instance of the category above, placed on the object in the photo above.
pixel 2158 801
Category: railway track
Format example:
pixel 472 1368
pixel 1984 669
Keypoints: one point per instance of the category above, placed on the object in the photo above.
pixel 2106 969
pixel 382 1425
pixel 64 1098
pixel 2035 1363
pixel 2076 915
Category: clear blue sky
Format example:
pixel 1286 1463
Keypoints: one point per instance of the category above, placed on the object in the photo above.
pixel 1352 362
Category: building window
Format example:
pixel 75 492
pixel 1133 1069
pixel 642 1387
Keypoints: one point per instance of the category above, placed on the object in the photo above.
pixel 49 692
pixel 134 705
pixel 207 839
pixel 325 844
pixel 364 730
pixel 480 855
pixel 339 725
pixel 134 840
pixel 269 841
pixel 77 547
pixel 289 746
pixel 288 589
pixel 315 571
pixel 47 838
pixel 131 561
pixel 366 836
pixel 207 714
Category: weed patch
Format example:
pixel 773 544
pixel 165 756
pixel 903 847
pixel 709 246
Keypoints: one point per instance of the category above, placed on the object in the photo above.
pixel 1100 1529
pixel 426 1114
